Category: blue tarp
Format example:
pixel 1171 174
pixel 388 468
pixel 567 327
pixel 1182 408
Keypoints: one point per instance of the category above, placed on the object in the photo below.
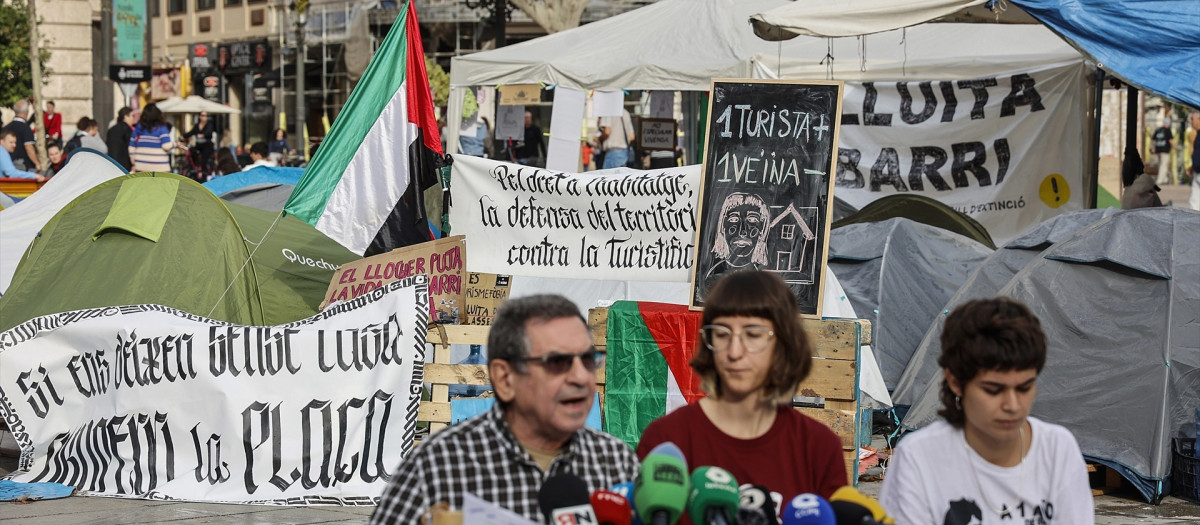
pixel 1152 44
pixel 260 175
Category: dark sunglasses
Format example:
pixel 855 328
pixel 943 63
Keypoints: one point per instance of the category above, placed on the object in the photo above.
pixel 556 363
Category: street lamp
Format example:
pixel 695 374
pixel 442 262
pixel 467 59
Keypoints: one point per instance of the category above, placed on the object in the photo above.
pixel 301 8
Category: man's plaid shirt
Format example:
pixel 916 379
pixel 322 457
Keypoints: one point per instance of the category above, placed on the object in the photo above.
pixel 480 455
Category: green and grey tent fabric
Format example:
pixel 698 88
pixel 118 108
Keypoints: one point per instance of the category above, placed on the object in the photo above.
pixel 160 238
pixel 898 274
pixel 1119 303
pixel 986 281
pixel 921 209
pixel 20 223
pixel 267 196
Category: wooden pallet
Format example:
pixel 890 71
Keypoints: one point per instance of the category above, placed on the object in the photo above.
pixel 1104 480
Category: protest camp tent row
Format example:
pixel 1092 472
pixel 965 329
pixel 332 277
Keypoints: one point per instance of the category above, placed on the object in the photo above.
pixel 163 239
pixel 20 223
pixel 1118 303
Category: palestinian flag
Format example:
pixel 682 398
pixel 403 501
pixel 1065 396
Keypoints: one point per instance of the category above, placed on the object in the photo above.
pixel 364 186
pixel 654 343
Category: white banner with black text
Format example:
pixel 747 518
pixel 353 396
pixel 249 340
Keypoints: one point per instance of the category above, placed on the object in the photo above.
pixel 1007 150
pixel 152 402
pixel 631 226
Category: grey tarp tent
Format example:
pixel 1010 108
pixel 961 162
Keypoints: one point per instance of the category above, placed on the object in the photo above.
pixel 898 274
pixel 986 281
pixel 1119 303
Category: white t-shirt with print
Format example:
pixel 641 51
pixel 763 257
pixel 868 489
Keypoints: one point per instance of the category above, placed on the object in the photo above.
pixel 929 481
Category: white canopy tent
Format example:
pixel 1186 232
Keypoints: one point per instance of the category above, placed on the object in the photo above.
pixel 683 44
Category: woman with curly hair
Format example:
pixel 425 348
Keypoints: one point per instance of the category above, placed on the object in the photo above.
pixel 151 143
pixel 987 456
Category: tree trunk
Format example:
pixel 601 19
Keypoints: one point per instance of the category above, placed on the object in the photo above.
pixel 553 15
pixel 36 76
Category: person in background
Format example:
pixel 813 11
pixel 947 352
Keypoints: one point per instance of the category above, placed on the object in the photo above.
pixel 988 458
pixel 752 355
pixel 24 157
pixel 616 134
pixel 8 144
pixel 475 144
pixel 1194 199
pixel 203 136
pixel 533 148
pixel 542 364
pixel 1164 142
pixel 53 123
pixel 151 143
pixel 119 136
pixel 243 154
pixel 57 159
pixel 85 137
pixel 278 147
pixel 226 164
pixel 259 154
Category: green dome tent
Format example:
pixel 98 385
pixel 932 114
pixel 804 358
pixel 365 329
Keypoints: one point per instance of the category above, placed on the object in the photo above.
pixel 921 209
pixel 163 239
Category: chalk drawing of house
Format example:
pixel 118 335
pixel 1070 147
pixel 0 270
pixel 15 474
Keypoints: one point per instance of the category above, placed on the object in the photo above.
pixel 792 241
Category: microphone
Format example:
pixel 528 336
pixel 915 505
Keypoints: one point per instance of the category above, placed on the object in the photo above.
pixel 563 499
pixel 714 496
pixel 611 508
pixel 625 490
pixel 853 507
pixel 755 506
pixel 809 509
pixel 661 489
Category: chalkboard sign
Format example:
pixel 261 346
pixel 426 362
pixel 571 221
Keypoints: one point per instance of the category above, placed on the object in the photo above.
pixel 766 190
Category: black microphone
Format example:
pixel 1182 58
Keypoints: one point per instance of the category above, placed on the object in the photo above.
pixel 565 494
pixel 755 506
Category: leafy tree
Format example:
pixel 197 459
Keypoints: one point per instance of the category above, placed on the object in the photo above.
pixel 16 80
pixel 439 83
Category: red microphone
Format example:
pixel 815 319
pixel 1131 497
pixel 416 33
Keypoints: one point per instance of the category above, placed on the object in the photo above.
pixel 611 508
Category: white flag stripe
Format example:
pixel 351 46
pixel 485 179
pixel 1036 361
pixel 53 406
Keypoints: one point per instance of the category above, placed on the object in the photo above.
pixel 375 180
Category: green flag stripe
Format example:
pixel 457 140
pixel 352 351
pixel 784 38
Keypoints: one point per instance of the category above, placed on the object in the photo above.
pixel 635 393
pixel 375 89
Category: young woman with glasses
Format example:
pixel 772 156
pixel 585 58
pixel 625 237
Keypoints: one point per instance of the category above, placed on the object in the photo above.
pixel 988 461
pixel 753 354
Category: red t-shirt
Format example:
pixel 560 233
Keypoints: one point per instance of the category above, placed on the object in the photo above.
pixel 797 455
pixel 53 124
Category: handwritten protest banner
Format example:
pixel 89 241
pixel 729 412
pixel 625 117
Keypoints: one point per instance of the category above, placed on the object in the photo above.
pixel 441 260
pixel 656 133
pixel 1008 150
pixel 519 220
pixel 767 185
pixel 483 294
pixel 152 402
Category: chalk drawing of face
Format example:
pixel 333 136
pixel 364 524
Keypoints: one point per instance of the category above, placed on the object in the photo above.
pixel 744 219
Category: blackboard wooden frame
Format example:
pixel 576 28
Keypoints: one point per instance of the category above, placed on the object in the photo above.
pixel 774 169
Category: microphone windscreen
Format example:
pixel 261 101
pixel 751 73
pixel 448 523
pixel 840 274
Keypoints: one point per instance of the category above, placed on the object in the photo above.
pixel 611 508
pixel 850 504
pixel 712 488
pixel 661 487
pixel 755 506
pixel 625 490
pixel 809 509
pixel 670 449
pixel 561 490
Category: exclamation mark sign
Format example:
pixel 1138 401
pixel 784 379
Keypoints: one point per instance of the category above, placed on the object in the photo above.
pixel 1054 190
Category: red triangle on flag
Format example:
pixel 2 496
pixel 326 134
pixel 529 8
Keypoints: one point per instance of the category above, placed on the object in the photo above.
pixel 676 331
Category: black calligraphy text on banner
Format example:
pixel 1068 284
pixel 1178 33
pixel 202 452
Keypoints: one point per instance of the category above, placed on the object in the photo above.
pixel 946 166
pixel 632 225
pixel 766 188
pixel 313 412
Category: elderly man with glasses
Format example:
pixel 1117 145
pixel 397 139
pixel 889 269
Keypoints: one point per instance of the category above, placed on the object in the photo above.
pixel 543 368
